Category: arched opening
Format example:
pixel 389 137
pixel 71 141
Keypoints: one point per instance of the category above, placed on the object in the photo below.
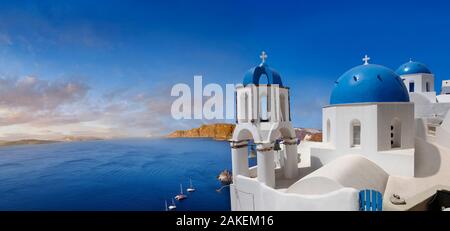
pixel 264 114
pixel 396 133
pixel 263 80
pixel 427 87
pixel 244 154
pixel 355 133
pixel 328 131
pixel 252 160
pixel 287 153
pixel 263 98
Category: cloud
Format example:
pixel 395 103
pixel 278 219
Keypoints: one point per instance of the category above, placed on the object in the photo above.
pixel 33 93
pixel 39 103
pixel 144 113
pixel 34 108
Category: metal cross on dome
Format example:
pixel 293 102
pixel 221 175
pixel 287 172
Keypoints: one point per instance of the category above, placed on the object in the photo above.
pixel 263 56
pixel 366 60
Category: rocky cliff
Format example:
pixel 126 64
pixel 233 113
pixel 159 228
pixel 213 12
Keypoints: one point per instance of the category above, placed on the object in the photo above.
pixel 215 131
pixel 224 131
pixel 308 134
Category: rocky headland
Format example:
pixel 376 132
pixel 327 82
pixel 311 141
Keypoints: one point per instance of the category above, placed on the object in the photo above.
pixel 223 131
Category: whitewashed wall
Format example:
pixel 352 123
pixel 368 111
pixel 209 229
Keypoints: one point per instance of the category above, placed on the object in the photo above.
pixel 375 145
pixel 252 195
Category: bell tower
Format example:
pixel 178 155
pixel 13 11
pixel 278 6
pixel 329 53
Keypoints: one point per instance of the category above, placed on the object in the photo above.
pixel 263 115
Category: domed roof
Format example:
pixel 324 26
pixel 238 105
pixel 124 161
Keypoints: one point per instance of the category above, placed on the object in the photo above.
pixel 369 83
pixel 253 75
pixel 413 67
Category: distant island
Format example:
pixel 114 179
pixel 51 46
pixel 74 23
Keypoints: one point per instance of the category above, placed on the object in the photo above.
pixel 80 138
pixel 26 141
pixel 4 143
pixel 224 131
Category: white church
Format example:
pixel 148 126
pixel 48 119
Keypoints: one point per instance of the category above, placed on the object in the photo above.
pixel 383 130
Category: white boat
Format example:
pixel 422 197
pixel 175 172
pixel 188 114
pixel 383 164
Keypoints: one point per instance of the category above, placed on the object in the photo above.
pixel 172 206
pixel 191 188
pixel 180 196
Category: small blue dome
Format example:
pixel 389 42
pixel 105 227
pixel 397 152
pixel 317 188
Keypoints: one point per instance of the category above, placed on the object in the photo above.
pixel 253 75
pixel 412 67
pixel 369 84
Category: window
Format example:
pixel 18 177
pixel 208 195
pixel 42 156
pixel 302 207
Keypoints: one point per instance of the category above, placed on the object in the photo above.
pixel 427 86
pixel 356 133
pixel 411 86
pixel 395 133
pixel 431 130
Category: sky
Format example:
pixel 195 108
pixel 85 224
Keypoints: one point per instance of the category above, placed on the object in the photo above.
pixel 106 68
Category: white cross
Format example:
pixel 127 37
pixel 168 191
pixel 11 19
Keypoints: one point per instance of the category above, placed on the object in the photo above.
pixel 263 56
pixel 366 60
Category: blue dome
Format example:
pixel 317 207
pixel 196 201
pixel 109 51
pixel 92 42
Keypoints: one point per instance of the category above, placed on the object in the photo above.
pixel 253 75
pixel 412 68
pixel 369 84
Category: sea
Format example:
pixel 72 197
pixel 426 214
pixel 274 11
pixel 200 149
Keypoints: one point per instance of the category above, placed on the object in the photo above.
pixel 111 175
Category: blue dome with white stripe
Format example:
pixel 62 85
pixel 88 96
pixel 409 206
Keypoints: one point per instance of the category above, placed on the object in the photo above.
pixel 369 83
pixel 253 75
pixel 413 67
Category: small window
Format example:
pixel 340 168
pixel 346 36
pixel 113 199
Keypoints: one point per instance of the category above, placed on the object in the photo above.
pixel 356 133
pixel 411 86
pixel 427 86
pixel 396 133
pixel 431 130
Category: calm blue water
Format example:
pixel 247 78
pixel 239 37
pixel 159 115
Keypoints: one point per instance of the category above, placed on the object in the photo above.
pixel 132 174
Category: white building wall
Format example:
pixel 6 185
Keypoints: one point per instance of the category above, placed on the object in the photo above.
pixel 329 132
pixel 364 175
pixel 445 90
pixel 420 85
pixel 375 122
pixel 443 132
pixel 404 112
pixel 341 118
pixel 424 108
pixel 252 195
pixel 420 82
pixel 443 98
